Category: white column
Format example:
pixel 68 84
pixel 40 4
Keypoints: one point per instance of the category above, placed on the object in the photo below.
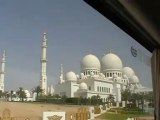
pixel 52 90
pixel 2 73
pixel 91 112
pixel 61 75
pixel 117 104
pixel 43 79
pixel 123 104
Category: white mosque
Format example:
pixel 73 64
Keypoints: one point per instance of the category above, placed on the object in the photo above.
pixel 98 77
pixel 102 78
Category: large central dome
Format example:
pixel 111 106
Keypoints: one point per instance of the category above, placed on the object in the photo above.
pixel 90 62
pixel 111 61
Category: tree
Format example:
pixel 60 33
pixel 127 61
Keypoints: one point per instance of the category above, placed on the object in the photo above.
pixel 63 99
pixel 5 94
pixel 21 94
pixel 139 98
pixel 57 97
pixel 1 93
pixel 134 99
pixel 126 95
pixel 110 98
pixel 11 94
pixel 38 91
pixel 96 100
pixel 142 98
pixel 149 97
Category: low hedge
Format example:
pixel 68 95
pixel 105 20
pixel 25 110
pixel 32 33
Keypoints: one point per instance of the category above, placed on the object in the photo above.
pixel 126 110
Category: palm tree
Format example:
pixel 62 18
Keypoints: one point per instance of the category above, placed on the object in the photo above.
pixel 5 94
pixel 21 93
pixel 11 94
pixel 14 96
pixel 38 91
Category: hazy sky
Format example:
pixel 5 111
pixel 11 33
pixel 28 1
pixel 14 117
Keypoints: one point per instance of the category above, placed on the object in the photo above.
pixel 73 29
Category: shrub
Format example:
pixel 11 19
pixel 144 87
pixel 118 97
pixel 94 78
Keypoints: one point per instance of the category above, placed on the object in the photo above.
pixel 111 110
pixel 72 100
pixel 97 110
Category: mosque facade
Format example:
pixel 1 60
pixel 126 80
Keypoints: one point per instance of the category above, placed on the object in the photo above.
pixel 103 77
pixel 99 77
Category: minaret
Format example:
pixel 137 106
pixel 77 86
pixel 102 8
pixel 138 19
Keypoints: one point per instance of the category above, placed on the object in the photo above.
pixel 2 72
pixel 61 75
pixel 43 77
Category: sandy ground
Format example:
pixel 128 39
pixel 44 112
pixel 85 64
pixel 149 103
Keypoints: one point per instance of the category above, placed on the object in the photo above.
pixel 19 109
pixel 34 109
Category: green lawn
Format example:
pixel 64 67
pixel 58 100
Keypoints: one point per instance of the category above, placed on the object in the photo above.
pixel 114 116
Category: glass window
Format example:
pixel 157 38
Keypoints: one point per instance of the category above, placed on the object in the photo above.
pixel 107 74
pixel 110 74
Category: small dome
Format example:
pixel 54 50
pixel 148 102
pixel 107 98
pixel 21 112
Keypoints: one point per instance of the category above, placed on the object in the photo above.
pixel 128 71
pixel 115 75
pixel 101 74
pixel 111 61
pixel 90 62
pixel 71 76
pixel 77 76
pixel 27 93
pixel 136 86
pixel 125 76
pixel 92 74
pixel 83 86
pixel 134 79
pixel 82 75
